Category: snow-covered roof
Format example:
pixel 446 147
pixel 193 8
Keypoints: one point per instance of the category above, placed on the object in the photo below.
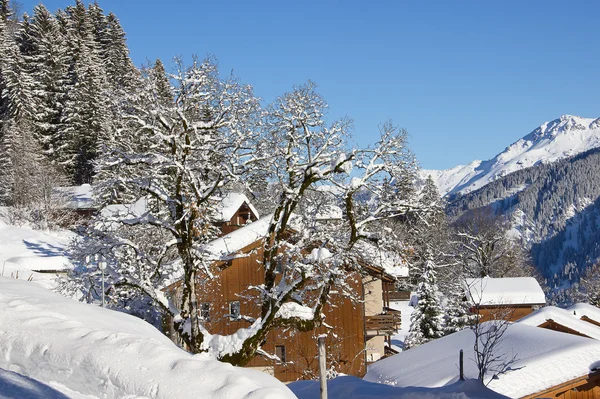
pixel 87 351
pixel 120 211
pixel 230 204
pixel 544 359
pixel 505 291
pixel 238 239
pixel 77 197
pixel 563 317
pixel 585 309
pixel 351 387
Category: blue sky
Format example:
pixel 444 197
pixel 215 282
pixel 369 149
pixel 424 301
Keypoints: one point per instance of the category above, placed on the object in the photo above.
pixel 465 78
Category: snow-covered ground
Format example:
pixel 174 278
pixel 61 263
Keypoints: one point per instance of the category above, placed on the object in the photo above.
pixel 354 388
pixel 561 138
pixel 89 352
pixel 406 310
pixel 24 250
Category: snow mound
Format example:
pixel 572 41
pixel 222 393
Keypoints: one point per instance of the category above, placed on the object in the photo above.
pixel 544 358
pixel 352 387
pixel 561 138
pixel 75 347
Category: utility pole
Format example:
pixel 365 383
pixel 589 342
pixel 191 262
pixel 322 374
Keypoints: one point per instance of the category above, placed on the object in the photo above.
pixel 102 267
pixel 322 365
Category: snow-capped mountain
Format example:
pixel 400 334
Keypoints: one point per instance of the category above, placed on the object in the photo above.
pixel 564 137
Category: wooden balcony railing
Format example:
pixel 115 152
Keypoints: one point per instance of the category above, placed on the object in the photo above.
pixel 383 324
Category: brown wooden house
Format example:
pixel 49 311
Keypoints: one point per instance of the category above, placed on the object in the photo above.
pixel 357 330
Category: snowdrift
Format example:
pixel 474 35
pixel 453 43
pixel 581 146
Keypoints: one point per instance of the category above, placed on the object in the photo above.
pixel 83 349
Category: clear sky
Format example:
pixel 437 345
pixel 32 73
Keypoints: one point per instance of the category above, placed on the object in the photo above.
pixel 465 78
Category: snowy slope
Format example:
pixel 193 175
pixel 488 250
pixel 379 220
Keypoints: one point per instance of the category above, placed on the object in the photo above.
pixel 564 137
pixel 85 351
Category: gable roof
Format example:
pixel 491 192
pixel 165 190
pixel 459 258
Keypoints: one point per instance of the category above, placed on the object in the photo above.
pixel 544 359
pixel 231 203
pixel 488 291
pixel 563 317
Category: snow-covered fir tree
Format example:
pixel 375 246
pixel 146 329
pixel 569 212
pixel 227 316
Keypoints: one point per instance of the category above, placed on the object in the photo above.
pixel 426 321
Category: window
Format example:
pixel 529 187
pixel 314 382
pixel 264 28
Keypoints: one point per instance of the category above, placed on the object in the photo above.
pixel 205 311
pixel 234 310
pixel 279 265
pixel 280 352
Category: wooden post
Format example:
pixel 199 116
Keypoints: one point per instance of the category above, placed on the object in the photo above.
pixel 322 366
pixel 461 366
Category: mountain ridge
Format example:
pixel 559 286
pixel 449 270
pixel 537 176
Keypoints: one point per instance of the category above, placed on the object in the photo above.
pixel 560 138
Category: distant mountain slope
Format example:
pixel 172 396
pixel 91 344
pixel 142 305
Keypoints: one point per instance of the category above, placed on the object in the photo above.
pixel 555 208
pixel 561 138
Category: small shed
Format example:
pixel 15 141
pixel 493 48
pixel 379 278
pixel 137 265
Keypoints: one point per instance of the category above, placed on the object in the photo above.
pixel 508 298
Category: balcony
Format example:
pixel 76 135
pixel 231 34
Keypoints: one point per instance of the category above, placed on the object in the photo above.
pixel 383 324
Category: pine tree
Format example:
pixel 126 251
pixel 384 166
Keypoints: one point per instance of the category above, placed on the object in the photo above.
pixel 426 319
pixel 160 82
pixel 48 62
pixel 85 118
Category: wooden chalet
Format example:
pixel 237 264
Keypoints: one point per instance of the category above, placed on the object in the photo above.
pixel 508 298
pixel 357 330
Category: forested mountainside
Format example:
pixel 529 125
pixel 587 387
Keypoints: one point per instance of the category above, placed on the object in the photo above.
pixel 554 207
pixel 558 139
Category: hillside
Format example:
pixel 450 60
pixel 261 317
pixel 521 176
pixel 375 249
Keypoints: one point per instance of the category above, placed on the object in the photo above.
pixel 561 138
pixel 554 208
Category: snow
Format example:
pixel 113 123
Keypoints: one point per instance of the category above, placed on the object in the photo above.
pixel 505 291
pixel 391 262
pixel 16 386
pixel 238 239
pixel 564 137
pixel 405 311
pixel 563 317
pixel 292 309
pixel 119 211
pixel 351 387
pixel 544 358
pixel 230 204
pixel 25 249
pixel 87 351
pixel 77 197
pixel 585 309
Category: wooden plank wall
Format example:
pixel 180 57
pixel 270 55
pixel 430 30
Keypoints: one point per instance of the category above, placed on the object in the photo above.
pixel 345 344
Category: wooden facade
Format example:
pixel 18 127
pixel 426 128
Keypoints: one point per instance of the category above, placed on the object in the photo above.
pixel 351 333
pixel 585 387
